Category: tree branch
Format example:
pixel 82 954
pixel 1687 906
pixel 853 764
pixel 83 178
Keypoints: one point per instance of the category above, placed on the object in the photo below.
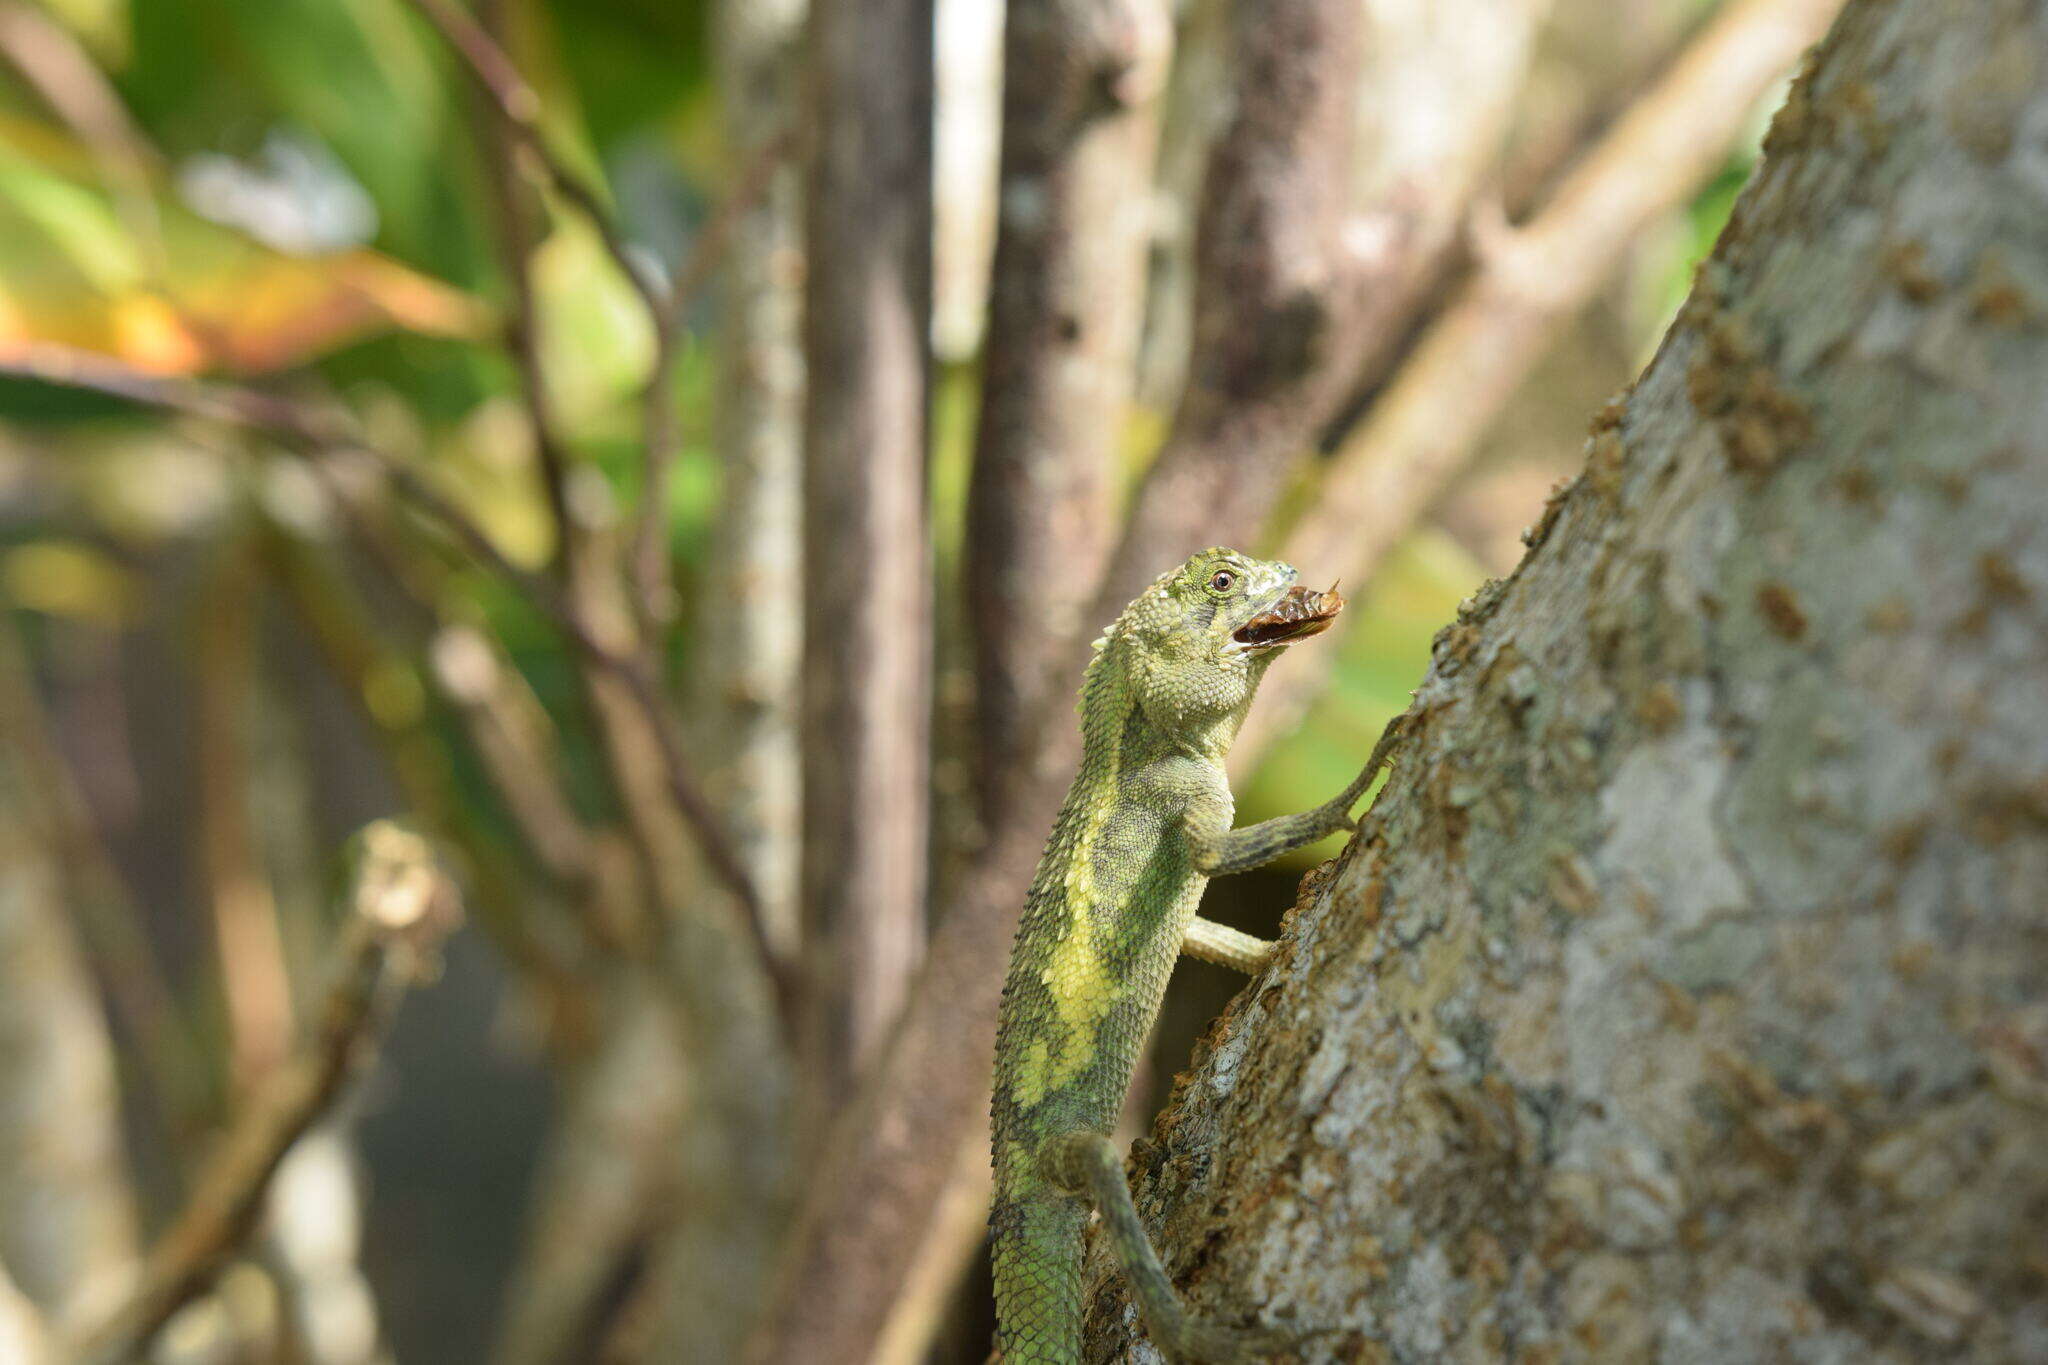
pixel 1272 337
pixel 519 104
pixel 648 568
pixel 323 435
pixel 1065 299
pixel 1420 435
pixel 401 909
pixel 867 597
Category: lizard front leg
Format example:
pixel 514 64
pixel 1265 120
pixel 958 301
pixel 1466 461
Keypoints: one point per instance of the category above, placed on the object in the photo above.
pixel 1214 849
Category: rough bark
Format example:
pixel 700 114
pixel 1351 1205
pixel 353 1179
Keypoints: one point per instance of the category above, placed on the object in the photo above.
pixel 1426 427
pixel 1064 307
pixel 68 1233
pixel 867 600
pixel 1688 997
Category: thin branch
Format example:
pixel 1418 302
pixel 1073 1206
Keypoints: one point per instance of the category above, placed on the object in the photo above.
pixel 1065 298
pixel 1426 426
pixel 255 983
pixel 46 55
pixel 520 106
pixel 654 591
pixel 109 921
pixel 321 435
pixel 337 620
pixel 402 907
pixel 67 1209
pixel 308 429
pixel 865 715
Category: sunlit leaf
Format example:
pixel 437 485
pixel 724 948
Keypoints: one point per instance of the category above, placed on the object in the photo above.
pixel 596 341
pixel 66 578
pixel 71 271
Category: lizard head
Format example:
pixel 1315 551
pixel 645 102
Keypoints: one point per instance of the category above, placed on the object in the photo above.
pixel 1203 634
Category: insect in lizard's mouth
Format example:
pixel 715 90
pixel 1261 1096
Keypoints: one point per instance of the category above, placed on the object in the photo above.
pixel 1300 613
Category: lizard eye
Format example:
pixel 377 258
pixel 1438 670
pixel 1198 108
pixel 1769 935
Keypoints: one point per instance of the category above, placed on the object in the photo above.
pixel 1221 580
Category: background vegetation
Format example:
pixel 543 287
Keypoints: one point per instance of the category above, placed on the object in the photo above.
pixel 405 413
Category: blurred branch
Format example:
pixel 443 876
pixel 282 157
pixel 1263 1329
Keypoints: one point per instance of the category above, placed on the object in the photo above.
pixel 1531 280
pixel 519 104
pixel 310 429
pixel 1279 298
pixel 1065 300
pixel 355 653
pixel 518 107
pixel 67 1213
pixel 176 1071
pixel 51 60
pixel 24 1336
pixel 326 436
pixel 512 210
pixel 867 597
pixel 505 727
pixel 247 936
pixel 654 593
pixel 401 909
pixel 733 1162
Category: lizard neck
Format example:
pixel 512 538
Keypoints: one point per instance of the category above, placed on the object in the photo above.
pixel 1137 706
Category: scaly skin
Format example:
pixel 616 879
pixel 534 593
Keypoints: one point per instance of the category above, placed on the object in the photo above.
pixel 1145 825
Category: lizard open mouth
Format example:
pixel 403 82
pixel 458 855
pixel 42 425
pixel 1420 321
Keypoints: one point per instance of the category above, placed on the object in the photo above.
pixel 1300 613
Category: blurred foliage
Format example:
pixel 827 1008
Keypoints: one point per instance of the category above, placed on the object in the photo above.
pixel 311 201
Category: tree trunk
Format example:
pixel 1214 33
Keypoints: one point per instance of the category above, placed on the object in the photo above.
pixel 867 586
pixel 1064 304
pixel 1687 998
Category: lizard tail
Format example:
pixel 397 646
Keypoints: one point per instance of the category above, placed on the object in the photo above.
pixel 1036 1244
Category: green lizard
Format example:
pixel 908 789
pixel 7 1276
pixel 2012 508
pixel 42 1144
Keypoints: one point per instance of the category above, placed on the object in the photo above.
pixel 1145 825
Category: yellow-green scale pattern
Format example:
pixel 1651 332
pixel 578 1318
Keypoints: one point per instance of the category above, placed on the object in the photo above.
pixel 1105 918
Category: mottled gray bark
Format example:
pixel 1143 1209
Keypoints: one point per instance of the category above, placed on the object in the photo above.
pixel 732 1170
pixel 867 587
pixel 1064 305
pixel 1425 427
pixel 752 643
pixel 1687 999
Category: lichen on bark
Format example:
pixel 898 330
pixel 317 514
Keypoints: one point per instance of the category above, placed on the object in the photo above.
pixel 1686 998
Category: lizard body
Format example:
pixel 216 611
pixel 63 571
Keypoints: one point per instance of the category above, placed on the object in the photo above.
pixel 1146 823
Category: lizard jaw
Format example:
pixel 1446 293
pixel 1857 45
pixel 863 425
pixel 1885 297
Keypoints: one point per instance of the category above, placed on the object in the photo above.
pixel 1299 613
